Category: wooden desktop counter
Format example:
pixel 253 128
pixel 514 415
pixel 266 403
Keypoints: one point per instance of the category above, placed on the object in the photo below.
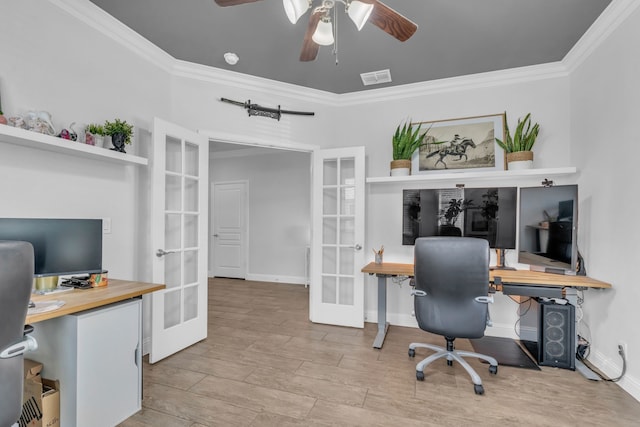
pixel 549 284
pixel 77 300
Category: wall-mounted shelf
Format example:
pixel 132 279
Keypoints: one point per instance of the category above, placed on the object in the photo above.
pixel 464 176
pixel 41 141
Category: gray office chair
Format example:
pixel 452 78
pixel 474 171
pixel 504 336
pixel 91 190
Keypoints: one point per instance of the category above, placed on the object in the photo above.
pixel 450 298
pixel 16 280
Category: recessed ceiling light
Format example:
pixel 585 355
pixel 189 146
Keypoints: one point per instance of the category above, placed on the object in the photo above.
pixel 231 58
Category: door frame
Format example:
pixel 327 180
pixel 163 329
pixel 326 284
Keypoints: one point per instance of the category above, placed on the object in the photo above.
pixel 245 238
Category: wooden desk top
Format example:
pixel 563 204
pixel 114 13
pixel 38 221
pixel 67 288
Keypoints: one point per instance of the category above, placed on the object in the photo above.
pixel 84 299
pixel 521 277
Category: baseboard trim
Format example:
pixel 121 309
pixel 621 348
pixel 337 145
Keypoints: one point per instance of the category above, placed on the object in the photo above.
pixel 294 280
pixel 146 346
pixel 612 368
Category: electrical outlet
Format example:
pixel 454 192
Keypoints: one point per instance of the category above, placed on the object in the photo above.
pixel 106 225
pixel 623 346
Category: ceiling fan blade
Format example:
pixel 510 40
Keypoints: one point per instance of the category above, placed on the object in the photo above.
pixel 390 21
pixel 309 47
pixel 224 3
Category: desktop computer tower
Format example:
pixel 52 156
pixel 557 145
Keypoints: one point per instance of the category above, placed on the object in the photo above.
pixel 556 335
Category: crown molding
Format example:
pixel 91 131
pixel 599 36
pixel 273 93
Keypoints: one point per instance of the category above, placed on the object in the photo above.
pixel 453 84
pixel 611 18
pixel 224 77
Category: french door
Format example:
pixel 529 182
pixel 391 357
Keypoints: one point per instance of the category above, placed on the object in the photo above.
pixel 337 288
pixel 179 238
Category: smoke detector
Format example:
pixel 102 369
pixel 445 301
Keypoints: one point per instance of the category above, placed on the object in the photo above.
pixel 231 58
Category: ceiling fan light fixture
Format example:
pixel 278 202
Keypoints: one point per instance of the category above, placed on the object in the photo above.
pixel 359 12
pixel 324 33
pixel 295 9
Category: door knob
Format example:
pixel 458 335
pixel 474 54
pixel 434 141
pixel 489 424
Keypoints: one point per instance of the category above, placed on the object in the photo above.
pixel 357 247
pixel 161 252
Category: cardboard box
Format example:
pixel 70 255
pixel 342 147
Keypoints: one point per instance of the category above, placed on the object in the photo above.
pixel 41 398
pixel 50 403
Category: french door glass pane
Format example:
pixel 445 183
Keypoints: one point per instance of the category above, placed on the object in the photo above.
pixel 190 194
pixel 190 302
pixel 173 270
pixel 190 230
pixel 330 201
pixel 190 267
pixel 346 261
pixel 329 289
pixel 347 171
pixel 191 159
pixel 330 172
pixel 172 231
pixel 329 231
pixel 174 155
pixel 347 231
pixel 329 260
pixel 347 200
pixel 346 291
pixel 173 199
pixel 172 308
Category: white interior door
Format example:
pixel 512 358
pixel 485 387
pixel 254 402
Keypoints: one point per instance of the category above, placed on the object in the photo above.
pixel 337 285
pixel 179 238
pixel 229 229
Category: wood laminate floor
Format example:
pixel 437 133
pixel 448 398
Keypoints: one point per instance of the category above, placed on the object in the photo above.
pixel 265 364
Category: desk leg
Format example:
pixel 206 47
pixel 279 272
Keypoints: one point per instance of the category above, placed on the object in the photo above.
pixel 383 325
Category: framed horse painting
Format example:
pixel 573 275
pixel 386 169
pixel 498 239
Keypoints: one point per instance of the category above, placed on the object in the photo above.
pixel 467 143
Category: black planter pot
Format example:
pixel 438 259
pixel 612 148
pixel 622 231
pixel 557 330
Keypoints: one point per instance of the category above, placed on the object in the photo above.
pixel 118 141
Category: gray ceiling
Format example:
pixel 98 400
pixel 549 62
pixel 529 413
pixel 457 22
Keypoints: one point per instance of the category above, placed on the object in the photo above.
pixel 454 38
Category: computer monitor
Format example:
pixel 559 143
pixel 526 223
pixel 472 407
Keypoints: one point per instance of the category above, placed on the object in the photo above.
pixel 548 228
pixel 487 213
pixel 61 246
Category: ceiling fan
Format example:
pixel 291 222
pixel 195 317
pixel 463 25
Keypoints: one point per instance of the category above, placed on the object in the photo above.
pixel 320 30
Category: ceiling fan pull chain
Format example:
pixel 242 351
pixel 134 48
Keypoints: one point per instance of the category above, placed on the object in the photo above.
pixel 335 36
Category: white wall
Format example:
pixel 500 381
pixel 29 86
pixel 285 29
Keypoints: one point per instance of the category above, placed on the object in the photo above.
pixel 51 61
pixel 279 223
pixel 605 146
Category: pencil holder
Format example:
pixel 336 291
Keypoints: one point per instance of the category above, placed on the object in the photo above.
pixel 378 259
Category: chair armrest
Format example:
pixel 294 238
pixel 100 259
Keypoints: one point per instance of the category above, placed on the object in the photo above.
pixel 28 343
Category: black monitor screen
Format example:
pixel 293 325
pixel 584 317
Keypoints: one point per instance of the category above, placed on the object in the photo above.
pixel 487 213
pixel 548 228
pixel 61 246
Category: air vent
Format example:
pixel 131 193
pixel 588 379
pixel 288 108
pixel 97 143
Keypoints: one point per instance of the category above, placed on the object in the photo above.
pixel 376 77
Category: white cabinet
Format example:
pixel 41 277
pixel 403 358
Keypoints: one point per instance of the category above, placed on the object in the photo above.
pixel 96 355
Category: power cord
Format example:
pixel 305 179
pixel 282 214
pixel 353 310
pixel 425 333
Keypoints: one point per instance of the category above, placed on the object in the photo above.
pixel 613 380
pixel 521 314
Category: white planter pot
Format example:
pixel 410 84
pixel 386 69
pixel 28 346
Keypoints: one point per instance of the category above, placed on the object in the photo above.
pixel 401 168
pixel 520 160
pixel 519 165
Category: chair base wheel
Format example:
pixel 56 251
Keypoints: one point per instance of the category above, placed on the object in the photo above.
pixel 493 369
pixel 412 352
pixel 478 388
pixel 420 375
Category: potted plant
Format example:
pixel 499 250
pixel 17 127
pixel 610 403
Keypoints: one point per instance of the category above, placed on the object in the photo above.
pixel 405 141
pixel 94 134
pixel 518 147
pixel 120 132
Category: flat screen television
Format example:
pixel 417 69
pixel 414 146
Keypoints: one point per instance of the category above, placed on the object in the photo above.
pixel 61 246
pixel 548 228
pixel 487 213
